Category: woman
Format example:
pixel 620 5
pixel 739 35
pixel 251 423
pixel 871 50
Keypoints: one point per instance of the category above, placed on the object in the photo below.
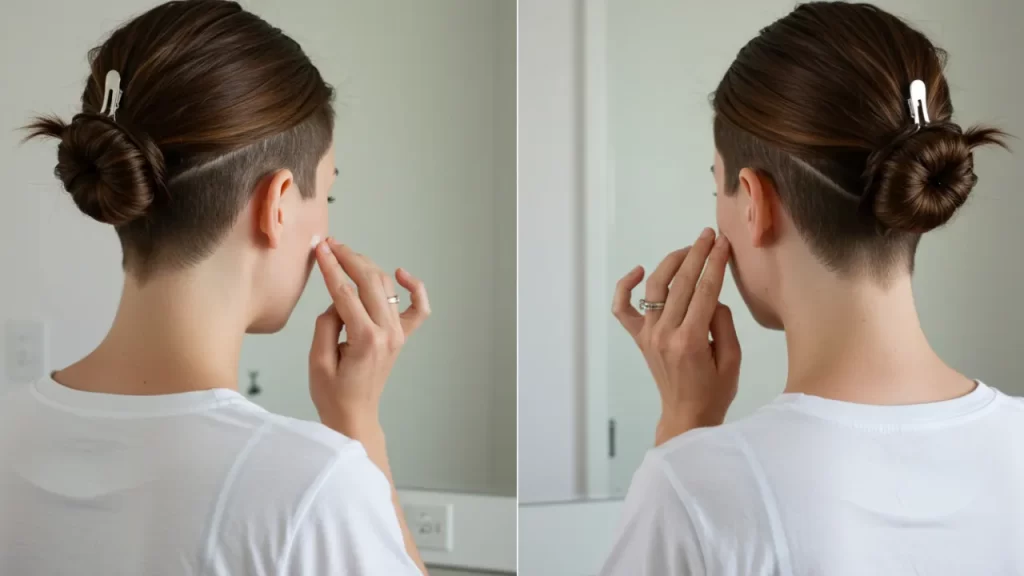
pixel 205 140
pixel 878 458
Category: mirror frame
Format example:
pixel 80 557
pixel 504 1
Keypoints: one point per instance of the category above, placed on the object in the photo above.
pixel 598 200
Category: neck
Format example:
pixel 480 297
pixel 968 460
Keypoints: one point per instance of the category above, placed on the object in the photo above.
pixel 860 342
pixel 177 332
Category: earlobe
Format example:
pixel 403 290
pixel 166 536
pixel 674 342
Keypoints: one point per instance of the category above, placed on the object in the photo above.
pixel 760 218
pixel 272 217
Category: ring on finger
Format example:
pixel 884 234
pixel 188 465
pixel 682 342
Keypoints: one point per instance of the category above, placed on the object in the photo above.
pixel 394 299
pixel 645 305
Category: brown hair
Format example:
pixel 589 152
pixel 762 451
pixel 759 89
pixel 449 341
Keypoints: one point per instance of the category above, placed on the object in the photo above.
pixel 818 102
pixel 214 99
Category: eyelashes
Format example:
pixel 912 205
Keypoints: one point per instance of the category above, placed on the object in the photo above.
pixel 330 199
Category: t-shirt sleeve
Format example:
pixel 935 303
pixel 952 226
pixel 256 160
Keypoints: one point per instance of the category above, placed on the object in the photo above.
pixel 656 535
pixel 350 526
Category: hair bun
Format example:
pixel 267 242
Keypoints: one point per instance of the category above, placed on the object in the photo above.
pixel 924 175
pixel 112 174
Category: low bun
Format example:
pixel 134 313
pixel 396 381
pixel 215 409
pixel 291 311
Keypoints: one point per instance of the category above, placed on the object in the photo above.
pixel 918 181
pixel 112 174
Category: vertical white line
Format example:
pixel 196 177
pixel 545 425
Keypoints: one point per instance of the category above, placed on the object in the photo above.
pixel 597 295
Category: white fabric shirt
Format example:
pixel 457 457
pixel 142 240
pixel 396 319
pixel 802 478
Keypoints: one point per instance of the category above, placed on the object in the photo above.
pixel 809 486
pixel 199 483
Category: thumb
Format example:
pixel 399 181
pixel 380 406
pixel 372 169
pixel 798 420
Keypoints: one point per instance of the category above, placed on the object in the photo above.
pixel 324 351
pixel 726 343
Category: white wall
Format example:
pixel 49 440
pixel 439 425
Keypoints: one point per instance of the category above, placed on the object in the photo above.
pixel 427 178
pixel 57 264
pixel 550 300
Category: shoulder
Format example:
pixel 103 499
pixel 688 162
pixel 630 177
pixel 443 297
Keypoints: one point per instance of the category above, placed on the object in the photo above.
pixel 713 471
pixel 712 476
pixel 711 456
pixel 307 499
pixel 1011 402
pixel 301 441
pixel 693 508
pixel 288 459
pixel 285 457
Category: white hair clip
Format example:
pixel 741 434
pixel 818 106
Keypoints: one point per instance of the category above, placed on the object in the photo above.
pixel 918 102
pixel 112 93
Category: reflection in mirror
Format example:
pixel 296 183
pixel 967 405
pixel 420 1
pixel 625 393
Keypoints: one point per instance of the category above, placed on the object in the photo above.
pixel 424 145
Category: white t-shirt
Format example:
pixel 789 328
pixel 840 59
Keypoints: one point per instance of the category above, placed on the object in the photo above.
pixel 200 483
pixel 809 486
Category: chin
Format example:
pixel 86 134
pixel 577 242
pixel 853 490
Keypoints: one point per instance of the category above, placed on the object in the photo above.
pixel 268 324
pixel 763 313
pixel 766 318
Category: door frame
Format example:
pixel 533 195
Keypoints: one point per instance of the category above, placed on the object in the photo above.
pixel 598 201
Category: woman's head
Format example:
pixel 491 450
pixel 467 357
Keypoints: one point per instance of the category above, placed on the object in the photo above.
pixel 221 141
pixel 818 154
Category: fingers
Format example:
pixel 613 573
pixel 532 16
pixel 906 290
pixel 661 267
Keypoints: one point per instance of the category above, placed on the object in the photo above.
pixel 367 277
pixel 324 351
pixel 685 281
pixel 419 310
pixel 701 306
pixel 346 301
pixel 656 289
pixel 622 307
pixel 393 319
pixel 726 343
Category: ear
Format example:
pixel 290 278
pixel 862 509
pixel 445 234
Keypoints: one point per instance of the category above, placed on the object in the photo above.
pixel 271 213
pixel 761 206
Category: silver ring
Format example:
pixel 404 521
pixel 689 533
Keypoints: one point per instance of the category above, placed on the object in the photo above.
pixel 394 299
pixel 644 305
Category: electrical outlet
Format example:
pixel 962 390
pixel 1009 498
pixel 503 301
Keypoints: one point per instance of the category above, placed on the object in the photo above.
pixel 431 526
pixel 25 351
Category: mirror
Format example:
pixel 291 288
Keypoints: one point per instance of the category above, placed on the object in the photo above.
pixel 661 61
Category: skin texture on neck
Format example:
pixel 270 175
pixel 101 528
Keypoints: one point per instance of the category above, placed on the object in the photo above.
pixel 181 331
pixel 858 341
pixel 849 336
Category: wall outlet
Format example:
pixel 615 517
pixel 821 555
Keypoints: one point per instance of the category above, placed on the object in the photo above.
pixel 431 526
pixel 26 352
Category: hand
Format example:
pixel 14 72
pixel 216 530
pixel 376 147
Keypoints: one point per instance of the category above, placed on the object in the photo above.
pixel 346 380
pixel 697 378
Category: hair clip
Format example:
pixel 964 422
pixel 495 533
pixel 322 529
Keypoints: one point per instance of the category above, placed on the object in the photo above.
pixel 112 93
pixel 918 98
